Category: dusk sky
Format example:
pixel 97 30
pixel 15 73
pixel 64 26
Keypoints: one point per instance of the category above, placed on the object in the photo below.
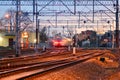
pixel 3 9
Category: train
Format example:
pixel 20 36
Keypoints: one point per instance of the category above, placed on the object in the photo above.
pixel 59 41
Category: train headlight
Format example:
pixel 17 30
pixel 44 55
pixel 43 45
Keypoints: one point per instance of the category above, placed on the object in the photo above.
pixel 62 43
pixel 55 43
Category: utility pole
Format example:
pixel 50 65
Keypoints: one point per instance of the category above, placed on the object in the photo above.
pixel 93 9
pixel 63 30
pixel 17 44
pixel 97 36
pixel 35 20
pixel 74 44
pixel 37 26
pixel 56 19
pixel 112 34
pixel 33 9
pixel 117 24
pixel 86 29
pixel 49 31
pixel 79 20
pixel 74 7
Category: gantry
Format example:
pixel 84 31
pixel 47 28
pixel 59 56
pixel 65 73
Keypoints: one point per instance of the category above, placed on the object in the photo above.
pixel 57 13
pixel 64 13
pixel 71 11
pixel 58 2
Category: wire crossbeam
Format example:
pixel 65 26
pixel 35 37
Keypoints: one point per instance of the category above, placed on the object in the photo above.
pixel 58 2
pixel 65 13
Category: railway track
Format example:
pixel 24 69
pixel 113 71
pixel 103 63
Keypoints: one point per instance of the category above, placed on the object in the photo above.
pixel 29 60
pixel 36 59
pixel 11 53
pixel 29 72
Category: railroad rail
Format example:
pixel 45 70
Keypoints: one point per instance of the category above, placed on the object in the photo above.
pixel 11 63
pixel 11 53
pixel 29 72
pixel 29 60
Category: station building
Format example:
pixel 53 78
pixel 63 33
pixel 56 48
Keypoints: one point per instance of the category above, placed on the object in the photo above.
pixel 7 39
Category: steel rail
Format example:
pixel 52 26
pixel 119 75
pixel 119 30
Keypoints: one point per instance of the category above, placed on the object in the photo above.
pixel 28 60
pixel 68 61
pixel 61 66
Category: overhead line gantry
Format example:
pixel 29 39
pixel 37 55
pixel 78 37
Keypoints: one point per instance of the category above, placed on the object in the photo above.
pixel 110 5
pixel 58 2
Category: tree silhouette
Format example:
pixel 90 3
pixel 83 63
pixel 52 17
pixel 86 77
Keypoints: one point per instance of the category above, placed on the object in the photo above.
pixel 43 36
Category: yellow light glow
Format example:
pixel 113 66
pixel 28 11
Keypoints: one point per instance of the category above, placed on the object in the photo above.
pixel 1 38
pixel 35 40
pixel 25 35
pixel 7 15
